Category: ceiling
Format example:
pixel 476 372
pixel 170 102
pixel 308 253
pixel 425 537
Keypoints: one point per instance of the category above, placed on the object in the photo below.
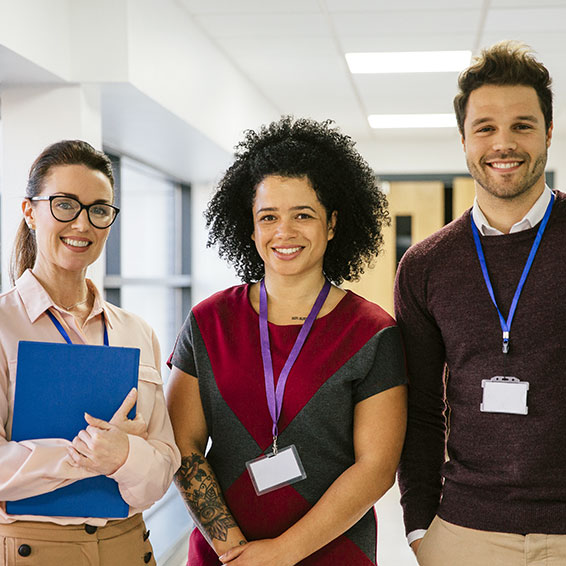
pixel 293 50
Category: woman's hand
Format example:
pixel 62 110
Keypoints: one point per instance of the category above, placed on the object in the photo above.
pixel 267 552
pixel 103 446
pixel 136 426
pixel 101 449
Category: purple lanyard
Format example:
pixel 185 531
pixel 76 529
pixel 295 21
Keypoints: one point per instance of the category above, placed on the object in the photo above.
pixel 275 396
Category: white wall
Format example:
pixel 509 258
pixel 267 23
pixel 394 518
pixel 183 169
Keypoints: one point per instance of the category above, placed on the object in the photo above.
pixel 209 273
pixel 152 85
pixel 33 117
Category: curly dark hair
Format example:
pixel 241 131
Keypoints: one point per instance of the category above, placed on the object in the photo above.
pixel 341 178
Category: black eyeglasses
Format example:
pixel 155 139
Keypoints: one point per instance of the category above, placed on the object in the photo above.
pixel 66 209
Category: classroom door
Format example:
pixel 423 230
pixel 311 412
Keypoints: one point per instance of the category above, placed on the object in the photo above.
pixel 416 210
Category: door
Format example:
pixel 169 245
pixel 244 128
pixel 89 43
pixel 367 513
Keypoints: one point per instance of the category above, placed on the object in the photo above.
pixel 416 210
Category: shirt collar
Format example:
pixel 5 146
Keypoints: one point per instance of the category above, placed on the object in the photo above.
pixel 36 299
pixel 532 218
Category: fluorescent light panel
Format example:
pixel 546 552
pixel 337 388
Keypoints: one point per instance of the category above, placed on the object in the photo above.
pixel 408 62
pixel 384 121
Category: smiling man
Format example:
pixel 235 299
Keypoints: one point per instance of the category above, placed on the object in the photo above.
pixel 481 305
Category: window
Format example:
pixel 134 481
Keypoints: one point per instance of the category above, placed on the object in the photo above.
pixel 148 251
pixel 148 272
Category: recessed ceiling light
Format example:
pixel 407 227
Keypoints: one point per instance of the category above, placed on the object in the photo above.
pixel 383 121
pixel 408 62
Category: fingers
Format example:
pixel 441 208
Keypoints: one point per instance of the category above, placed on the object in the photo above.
pixel 231 554
pixel 141 426
pixel 126 406
pixel 78 454
pixel 73 457
pixel 99 423
pixel 81 442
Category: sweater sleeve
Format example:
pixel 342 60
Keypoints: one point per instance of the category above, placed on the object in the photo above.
pixel 419 475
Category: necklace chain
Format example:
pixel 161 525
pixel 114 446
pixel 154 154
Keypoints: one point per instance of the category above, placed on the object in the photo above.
pixel 76 304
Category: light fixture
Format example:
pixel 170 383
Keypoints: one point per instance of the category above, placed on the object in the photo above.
pixel 384 121
pixel 408 62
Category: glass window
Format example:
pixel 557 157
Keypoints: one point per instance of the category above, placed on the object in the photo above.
pixel 148 259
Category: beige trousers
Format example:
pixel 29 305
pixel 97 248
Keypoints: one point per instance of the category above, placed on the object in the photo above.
pixel 446 544
pixel 120 543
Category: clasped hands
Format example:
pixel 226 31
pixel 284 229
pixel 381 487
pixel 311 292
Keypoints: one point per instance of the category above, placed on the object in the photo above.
pixel 266 552
pixel 103 447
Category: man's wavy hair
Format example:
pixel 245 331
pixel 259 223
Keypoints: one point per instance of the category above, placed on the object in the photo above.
pixel 506 63
pixel 341 178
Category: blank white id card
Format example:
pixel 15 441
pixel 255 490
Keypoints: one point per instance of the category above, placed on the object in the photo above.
pixel 504 395
pixel 276 470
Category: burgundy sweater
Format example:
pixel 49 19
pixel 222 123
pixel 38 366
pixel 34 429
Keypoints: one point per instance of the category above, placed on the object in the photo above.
pixel 487 471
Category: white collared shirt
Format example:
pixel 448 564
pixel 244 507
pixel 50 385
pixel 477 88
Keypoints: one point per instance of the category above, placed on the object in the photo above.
pixel 532 218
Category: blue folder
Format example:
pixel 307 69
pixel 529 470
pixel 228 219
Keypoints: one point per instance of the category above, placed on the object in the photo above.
pixel 55 385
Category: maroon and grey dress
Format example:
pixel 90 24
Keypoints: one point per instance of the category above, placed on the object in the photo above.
pixel 351 353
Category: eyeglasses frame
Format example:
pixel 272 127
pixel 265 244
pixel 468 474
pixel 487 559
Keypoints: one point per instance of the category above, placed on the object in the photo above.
pixel 82 206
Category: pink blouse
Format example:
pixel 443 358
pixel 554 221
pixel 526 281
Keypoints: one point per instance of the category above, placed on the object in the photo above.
pixel 36 466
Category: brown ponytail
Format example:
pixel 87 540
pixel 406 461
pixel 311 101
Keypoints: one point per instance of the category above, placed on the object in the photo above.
pixel 66 152
pixel 23 252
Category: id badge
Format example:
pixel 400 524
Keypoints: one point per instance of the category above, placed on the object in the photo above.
pixel 276 470
pixel 504 395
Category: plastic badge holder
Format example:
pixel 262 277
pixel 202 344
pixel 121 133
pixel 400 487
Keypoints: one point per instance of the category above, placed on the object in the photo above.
pixel 273 471
pixel 504 395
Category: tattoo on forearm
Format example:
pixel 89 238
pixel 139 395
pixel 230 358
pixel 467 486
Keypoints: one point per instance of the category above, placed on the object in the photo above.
pixel 202 494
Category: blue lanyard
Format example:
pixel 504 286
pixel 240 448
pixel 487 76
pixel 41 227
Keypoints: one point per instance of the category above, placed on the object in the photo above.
pixel 63 332
pixel 506 324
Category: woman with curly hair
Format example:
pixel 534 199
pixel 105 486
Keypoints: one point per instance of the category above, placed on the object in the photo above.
pixel 298 384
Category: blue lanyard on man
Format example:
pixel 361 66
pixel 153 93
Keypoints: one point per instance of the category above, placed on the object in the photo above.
pixel 506 324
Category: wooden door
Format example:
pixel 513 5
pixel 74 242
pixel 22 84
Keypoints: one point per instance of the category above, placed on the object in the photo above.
pixel 423 204
pixel 463 193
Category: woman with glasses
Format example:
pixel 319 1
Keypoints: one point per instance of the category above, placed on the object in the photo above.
pixel 67 213
pixel 298 383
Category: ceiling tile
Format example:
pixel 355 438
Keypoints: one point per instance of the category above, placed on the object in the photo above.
pixel 413 93
pixel 275 50
pixel 527 3
pixel 449 41
pixel 399 5
pixel 250 6
pixel 262 25
pixel 515 21
pixel 420 22
pixel 288 49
